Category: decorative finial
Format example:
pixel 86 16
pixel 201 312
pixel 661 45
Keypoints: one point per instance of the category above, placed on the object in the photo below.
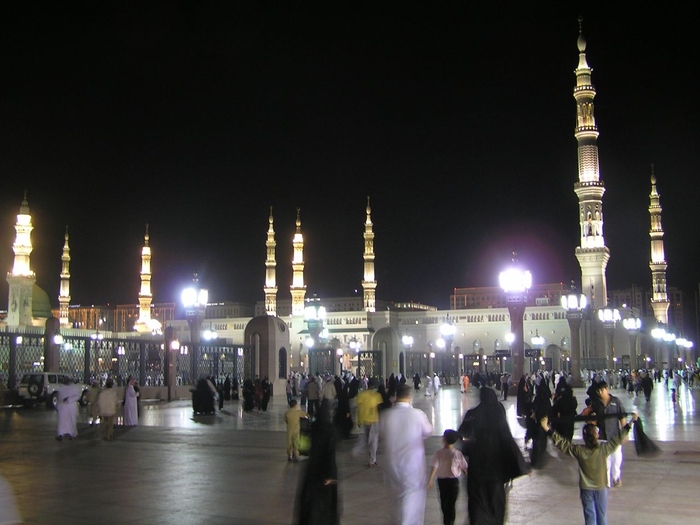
pixel 653 177
pixel 270 220
pixel 146 237
pixel 298 219
pixel 581 41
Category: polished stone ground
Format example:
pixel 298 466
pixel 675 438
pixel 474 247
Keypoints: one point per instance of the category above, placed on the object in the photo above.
pixel 231 468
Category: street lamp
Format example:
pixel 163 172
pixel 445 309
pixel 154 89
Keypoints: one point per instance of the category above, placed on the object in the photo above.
pixel 447 331
pixel 609 317
pixel 195 299
pixel 356 346
pixel 632 325
pixel 574 306
pixel 315 315
pixel 515 283
pixel 537 342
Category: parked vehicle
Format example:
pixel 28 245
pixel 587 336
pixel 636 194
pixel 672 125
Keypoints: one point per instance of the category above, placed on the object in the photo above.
pixel 43 387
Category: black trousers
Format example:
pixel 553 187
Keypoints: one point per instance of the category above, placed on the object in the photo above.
pixel 449 490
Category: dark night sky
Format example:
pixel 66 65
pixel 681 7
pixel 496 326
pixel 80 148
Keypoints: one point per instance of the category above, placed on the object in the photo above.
pixel 457 120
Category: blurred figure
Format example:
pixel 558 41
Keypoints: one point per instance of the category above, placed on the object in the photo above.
pixel 92 395
pixel 107 404
pixel 317 501
pixel 494 459
pixel 368 403
pixel 402 431
pixel 9 512
pixel 292 419
pixel 131 415
pixel 67 408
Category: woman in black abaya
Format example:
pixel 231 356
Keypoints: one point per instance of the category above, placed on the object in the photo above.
pixel 248 395
pixel 522 397
pixel 317 500
pixel 494 459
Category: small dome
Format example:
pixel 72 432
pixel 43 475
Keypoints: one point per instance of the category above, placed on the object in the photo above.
pixel 41 306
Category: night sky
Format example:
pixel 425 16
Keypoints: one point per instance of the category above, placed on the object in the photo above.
pixel 456 118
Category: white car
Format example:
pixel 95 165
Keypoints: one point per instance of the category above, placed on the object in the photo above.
pixel 43 387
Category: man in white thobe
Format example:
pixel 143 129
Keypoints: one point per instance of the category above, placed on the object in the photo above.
pixel 402 431
pixel 436 384
pixel 67 408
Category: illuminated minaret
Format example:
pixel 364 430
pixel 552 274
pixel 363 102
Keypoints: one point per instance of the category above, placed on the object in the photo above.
pixel 270 274
pixel 592 254
pixel 21 279
pixel 298 289
pixel 659 298
pixel 64 292
pixel 369 285
pixel 145 295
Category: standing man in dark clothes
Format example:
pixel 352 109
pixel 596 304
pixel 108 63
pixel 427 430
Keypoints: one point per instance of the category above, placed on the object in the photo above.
pixel 312 395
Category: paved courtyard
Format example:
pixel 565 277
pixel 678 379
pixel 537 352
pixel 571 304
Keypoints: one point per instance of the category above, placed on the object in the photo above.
pixel 231 468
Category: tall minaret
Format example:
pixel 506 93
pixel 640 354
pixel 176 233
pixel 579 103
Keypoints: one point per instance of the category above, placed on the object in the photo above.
pixel 369 285
pixel 298 289
pixel 659 298
pixel 145 295
pixel 21 279
pixel 64 292
pixel 592 254
pixel 270 274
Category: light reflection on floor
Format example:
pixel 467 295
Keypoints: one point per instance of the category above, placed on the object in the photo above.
pixel 444 411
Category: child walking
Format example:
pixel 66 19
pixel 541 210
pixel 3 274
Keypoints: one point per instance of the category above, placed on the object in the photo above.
pixel 448 464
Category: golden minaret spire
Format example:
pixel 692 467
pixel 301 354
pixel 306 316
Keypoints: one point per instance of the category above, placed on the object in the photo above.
pixel 592 254
pixel 21 279
pixel 657 264
pixel 64 292
pixel 270 269
pixel 369 284
pixel 298 288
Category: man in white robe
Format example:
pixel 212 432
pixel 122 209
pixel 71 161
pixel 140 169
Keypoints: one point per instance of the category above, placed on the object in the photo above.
pixel 67 408
pixel 402 431
pixel 436 384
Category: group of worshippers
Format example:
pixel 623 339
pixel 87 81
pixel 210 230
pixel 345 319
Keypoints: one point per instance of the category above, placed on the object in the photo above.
pixel 483 447
pixel 103 406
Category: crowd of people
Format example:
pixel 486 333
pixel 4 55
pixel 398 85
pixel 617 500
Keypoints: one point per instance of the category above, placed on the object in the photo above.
pixel 482 449
pixel 103 407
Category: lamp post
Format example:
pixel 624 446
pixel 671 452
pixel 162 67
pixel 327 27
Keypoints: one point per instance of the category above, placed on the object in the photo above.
pixel 356 347
pixel 574 306
pixel 314 315
pixel 609 317
pixel 658 334
pixel 195 299
pixel 510 337
pixel 632 325
pixel 431 356
pixel 515 283
pixel 447 332
pixel 537 342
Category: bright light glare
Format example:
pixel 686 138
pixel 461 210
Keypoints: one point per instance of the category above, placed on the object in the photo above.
pixel 515 280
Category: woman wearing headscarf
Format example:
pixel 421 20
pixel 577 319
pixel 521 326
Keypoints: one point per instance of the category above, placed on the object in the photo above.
pixel 343 417
pixel 564 410
pixel 541 407
pixel 523 396
pixel 494 459
pixel 248 395
pixel 317 500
